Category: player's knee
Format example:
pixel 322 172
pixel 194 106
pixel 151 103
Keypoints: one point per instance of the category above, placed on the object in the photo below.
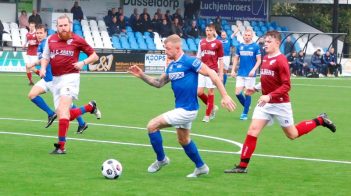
pixel 151 126
pixel 183 141
pixel 291 136
pixel 31 96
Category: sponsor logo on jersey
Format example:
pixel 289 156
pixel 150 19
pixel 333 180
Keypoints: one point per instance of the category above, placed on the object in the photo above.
pixel 209 52
pixel 54 53
pixel 69 42
pixel 272 62
pixel 246 53
pixel 267 72
pixel 196 63
pixel 176 75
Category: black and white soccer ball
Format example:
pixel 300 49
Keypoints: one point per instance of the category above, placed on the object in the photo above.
pixel 111 169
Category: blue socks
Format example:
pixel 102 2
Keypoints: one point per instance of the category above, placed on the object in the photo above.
pixel 80 120
pixel 156 142
pixel 42 105
pixel 224 79
pixel 192 152
pixel 241 99
pixel 247 104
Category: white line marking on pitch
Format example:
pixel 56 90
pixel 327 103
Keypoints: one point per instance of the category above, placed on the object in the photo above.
pixel 168 147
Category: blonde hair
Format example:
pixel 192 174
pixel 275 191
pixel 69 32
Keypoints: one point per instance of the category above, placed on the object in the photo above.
pixel 174 39
pixel 63 17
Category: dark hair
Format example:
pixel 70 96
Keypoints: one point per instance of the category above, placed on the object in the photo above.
pixel 41 26
pixel 211 25
pixel 274 34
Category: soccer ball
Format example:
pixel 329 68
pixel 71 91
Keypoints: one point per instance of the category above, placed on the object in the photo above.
pixel 111 169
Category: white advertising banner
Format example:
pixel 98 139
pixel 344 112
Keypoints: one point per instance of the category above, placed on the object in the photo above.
pixel 155 63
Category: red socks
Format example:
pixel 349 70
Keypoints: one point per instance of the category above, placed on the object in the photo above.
pixel 37 72
pixel 203 98
pixel 247 151
pixel 76 112
pixel 307 126
pixel 210 103
pixel 29 76
pixel 62 132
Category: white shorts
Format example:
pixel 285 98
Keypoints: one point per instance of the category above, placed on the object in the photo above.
pixel 205 81
pixel 281 111
pixel 47 86
pixel 30 59
pixel 226 62
pixel 67 85
pixel 247 82
pixel 180 118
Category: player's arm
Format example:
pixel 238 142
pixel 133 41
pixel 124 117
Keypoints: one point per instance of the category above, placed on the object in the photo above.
pixel 258 63
pixel 227 101
pixel 235 64
pixel 221 68
pixel 91 59
pixel 156 82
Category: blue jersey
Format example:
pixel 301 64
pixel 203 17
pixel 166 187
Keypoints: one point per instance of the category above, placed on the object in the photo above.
pixel 226 46
pixel 48 76
pixel 183 75
pixel 247 54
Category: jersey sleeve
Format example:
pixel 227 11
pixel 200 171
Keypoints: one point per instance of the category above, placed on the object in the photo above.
pixel 284 75
pixel 258 51
pixel 195 63
pixel 85 47
pixel 46 50
pixel 237 51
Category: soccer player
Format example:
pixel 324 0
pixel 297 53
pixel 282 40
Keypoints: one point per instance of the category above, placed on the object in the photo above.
pixel 32 42
pixel 249 55
pixel 275 103
pixel 45 84
pixel 62 51
pixel 210 52
pixel 183 73
pixel 226 52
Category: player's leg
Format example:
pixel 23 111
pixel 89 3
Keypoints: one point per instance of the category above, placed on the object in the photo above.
pixel 249 145
pixel 249 84
pixel 201 89
pixel 210 104
pixel 90 107
pixel 239 87
pixel 82 125
pixel 39 88
pixel 306 126
pixel 191 150
pixel 29 73
pixel 156 141
pixel 62 111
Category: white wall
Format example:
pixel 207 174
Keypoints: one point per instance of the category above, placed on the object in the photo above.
pixel 8 12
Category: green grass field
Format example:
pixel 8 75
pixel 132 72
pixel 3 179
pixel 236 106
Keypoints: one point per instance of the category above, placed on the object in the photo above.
pixel 322 167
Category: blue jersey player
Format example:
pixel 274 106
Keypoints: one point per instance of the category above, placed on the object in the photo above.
pixel 226 54
pixel 183 73
pixel 249 55
pixel 45 84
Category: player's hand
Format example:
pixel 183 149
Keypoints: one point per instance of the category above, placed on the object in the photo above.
pixel 42 72
pixel 263 100
pixel 78 65
pixel 252 73
pixel 250 91
pixel 135 70
pixel 233 74
pixel 228 103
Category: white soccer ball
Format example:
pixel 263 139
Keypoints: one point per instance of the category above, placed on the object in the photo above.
pixel 111 169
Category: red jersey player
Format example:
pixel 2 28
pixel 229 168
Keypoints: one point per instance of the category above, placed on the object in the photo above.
pixel 275 103
pixel 211 53
pixel 62 50
pixel 32 41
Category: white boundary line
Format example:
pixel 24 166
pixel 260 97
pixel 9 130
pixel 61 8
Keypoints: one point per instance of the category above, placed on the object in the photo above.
pixel 168 147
